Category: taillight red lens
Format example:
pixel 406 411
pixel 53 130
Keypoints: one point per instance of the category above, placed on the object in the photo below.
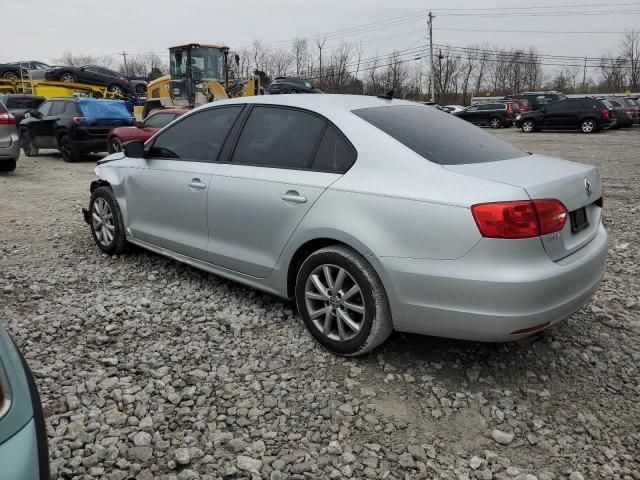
pixel 552 215
pixel 78 120
pixel 605 112
pixel 7 119
pixel 520 219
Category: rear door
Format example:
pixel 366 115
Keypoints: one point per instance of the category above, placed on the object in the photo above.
pixel 166 194
pixel 269 184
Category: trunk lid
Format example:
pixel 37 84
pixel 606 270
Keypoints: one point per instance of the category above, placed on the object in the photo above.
pixel 547 177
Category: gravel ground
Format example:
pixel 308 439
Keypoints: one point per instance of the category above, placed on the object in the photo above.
pixel 151 369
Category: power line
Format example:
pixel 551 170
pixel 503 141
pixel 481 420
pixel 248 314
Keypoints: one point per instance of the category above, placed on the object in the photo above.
pixel 530 31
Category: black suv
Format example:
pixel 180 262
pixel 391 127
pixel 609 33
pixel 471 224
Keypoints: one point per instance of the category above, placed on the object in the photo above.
pixel 291 85
pixel 585 114
pixel 72 125
pixel 538 99
pixel 493 114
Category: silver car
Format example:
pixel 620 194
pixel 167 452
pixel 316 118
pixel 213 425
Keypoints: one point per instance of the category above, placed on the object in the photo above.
pixel 9 140
pixel 374 214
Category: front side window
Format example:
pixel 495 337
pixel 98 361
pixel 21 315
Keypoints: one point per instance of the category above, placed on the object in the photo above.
pixel 45 108
pixel 198 137
pixel 91 69
pixel 159 120
pixel 278 137
pixel 473 108
pixel 438 136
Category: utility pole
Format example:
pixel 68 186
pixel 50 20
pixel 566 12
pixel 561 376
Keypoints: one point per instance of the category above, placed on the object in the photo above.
pixel 126 69
pixel 432 77
pixel 584 74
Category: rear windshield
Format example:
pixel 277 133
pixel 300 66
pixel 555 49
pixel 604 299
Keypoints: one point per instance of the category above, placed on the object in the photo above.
pixel 438 136
pixel 104 110
pixel 23 103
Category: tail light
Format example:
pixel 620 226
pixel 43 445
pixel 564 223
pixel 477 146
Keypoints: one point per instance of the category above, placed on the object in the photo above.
pixel 629 110
pixel 605 112
pixel 509 109
pixel 79 120
pixel 520 219
pixel 7 119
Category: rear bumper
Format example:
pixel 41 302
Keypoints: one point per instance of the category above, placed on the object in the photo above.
pixel 480 297
pixel 10 152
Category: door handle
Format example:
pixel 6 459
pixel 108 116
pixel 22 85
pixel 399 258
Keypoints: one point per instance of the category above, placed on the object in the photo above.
pixel 196 184
pixel 293 197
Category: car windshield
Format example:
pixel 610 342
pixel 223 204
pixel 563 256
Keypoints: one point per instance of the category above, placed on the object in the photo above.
pixel 438 136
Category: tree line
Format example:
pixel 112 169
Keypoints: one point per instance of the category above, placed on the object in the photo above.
pixel 459 72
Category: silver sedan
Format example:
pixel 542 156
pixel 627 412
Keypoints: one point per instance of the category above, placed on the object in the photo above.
pixel 374 214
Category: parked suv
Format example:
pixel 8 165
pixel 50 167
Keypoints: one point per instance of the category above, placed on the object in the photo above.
pixel 585 114
pixel 623 117
pixel 72 125
pixel 291 85
pixel 493 114
pixel 9 141
pixel 538 99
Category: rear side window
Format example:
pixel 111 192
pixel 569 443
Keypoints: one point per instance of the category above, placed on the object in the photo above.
pixel 198 137
pixel 334 153
pixel 72 109
pixel 58 108
pixel 278 137
pixel 438 136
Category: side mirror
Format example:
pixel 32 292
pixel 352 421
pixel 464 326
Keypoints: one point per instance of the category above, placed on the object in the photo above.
pixel 33 114
pixel 139 124
pixel 134 149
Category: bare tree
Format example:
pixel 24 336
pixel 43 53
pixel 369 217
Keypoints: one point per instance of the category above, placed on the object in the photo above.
pixel 71 60
pixel 300 52
pixel 630 50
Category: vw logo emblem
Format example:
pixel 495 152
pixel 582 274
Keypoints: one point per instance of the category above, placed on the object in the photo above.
pixel 587 187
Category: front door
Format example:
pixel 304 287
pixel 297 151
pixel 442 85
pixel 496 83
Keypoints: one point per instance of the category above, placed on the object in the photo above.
pixel 257 200
pixel 41 129
pixel 167 193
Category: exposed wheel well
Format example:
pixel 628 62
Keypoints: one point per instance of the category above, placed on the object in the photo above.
pixel 97 184
pixel 299 257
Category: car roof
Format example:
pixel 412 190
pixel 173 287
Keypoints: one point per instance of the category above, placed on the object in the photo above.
pixel 171 110
pixel 24 95
pixel 325 103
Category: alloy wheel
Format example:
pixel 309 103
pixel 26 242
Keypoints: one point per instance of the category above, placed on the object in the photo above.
pixel 102 221
pixel 115 89
pixel 527 126
pixel 495 122
pixel 588 126
pixel 10 76
pixel 115 146
pixel 67 78
pixel 334 302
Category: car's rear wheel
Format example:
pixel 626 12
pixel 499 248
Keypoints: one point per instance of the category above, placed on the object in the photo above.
pixel 8 165
pixel 495 122
pixel 68 149
pixel 528 126
pixel 342 301
pixel 141 89
pixel 107 226
pixel 588 126
pixel 30 150
pixel 115 145
pixel 293 90
pixel 67 77
pixel 115 89
pixel 11 75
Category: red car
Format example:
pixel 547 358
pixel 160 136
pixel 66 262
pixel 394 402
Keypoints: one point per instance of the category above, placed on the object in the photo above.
pixel 142 130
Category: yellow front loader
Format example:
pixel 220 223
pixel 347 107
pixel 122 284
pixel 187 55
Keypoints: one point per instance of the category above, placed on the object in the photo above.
pixel 198 74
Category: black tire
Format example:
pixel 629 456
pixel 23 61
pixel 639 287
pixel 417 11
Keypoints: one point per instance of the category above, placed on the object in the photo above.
pixel 119 243
pixel 293 90
pixel 8 165
pixel 11 75
pixel 115 145
pixel 30 150
pixel 141 89
pixel 67 77
pixel 116 89
pixel 68 149
pixel 528 126
pixel 588 125
pixel 375 324
pixel 495 122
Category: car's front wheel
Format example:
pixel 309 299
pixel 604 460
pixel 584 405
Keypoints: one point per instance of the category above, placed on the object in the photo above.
pixel 107 226
pixel 588 126
pixel 115 145
pixel 342 301
pixel 29 148
pixel 528 126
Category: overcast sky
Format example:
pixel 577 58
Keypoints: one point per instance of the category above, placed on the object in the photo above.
pixel 44 29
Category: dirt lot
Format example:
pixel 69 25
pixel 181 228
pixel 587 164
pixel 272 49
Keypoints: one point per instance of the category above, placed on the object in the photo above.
pixel 151 369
